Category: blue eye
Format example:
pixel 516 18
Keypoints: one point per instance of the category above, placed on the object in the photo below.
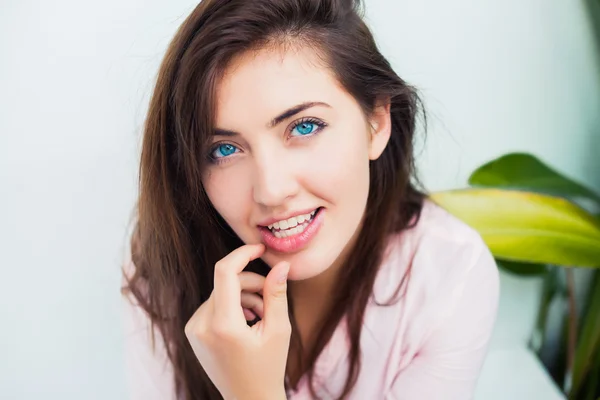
pixel 223 150
pixel 307 127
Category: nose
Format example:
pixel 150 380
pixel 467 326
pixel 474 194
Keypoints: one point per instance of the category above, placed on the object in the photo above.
pixel 274 180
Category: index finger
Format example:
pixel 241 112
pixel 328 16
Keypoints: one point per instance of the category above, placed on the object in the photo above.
pixel 227 289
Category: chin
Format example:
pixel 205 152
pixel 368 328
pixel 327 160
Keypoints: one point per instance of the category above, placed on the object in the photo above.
pixel 303 265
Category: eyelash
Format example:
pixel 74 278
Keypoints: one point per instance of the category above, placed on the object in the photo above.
pixel 320 125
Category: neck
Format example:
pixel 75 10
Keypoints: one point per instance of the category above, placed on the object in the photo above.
pixel 317 288
pixel 312 298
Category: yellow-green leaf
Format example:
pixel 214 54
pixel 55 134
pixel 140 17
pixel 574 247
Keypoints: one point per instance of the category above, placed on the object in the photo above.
pixel 528 227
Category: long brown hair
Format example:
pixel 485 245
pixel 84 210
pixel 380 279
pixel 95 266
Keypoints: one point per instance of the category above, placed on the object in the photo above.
pixel 179 236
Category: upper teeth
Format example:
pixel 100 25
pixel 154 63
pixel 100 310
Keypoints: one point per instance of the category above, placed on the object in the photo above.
pixel 292 222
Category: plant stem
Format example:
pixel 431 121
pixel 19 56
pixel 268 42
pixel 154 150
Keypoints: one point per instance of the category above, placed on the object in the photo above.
pixel 549 292
pixel 587 356
pixel 572 340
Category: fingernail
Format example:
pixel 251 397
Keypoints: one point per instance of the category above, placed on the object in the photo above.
pixel 284 273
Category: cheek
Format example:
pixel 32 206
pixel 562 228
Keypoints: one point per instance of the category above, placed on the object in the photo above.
pixel 339 165
pixel 228 192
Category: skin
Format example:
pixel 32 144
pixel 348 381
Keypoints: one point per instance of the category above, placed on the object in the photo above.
pixel 243 362
pixel 270 171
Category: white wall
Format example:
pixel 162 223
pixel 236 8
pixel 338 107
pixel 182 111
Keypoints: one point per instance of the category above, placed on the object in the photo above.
pixel 74 82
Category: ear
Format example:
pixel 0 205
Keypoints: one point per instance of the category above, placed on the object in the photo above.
pixel 381 128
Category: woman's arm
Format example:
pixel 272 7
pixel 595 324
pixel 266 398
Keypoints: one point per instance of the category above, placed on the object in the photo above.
pixel 448 364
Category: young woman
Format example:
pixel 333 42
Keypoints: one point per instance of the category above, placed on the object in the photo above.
pixel 280 247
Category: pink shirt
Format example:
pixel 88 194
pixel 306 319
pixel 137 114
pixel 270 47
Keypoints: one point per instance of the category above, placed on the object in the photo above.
pixel 429 345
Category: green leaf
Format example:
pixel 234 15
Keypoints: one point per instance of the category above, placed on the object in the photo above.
pixel 592 380
pixel 521 268
pixel 525 172
pixel 528 227
pixel 588 347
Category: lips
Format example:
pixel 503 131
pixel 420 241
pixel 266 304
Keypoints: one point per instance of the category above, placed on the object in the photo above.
pixel 295 238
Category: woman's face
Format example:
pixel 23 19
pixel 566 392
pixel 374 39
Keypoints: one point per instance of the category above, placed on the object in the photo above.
pixel 291 142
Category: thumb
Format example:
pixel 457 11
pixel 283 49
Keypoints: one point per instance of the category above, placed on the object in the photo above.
pixel 275 297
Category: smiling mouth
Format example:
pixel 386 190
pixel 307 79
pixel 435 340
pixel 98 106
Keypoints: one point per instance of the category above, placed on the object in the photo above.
pixel 283 238
pixel 292 226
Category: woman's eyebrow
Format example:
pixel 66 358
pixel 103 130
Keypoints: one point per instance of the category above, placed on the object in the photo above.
pixel 290 112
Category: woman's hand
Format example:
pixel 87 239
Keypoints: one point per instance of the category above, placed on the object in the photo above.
pixel 244 363
pixel 252 302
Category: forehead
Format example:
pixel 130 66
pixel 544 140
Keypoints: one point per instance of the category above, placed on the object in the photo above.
pixel 259 85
